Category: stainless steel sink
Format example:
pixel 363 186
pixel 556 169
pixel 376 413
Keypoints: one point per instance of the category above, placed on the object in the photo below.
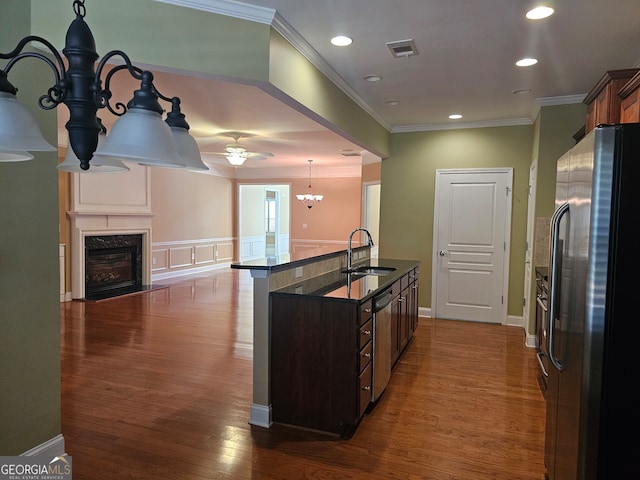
pixel 369 270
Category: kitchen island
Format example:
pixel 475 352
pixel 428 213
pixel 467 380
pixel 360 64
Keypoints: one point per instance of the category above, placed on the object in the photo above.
pixel 312 317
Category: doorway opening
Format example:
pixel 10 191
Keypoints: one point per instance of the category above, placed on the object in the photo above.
pixel 263 220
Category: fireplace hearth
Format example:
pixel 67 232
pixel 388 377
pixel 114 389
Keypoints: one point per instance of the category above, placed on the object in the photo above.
pixel 113 265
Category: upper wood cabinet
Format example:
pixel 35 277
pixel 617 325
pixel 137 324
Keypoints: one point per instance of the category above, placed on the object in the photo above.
pixel 630 101
pixel 603 101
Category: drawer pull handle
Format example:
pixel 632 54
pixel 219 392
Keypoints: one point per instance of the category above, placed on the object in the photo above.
pixel 366 355
pixel 367 310
pixel 365 332
pixel 366 387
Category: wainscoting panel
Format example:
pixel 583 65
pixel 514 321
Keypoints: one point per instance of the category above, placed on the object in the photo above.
pixel 205 253
pixel 181 257
pixel 253 247
pixel 170 259
pixel 224 252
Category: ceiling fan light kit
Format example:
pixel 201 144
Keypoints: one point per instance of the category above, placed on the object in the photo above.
pixel 308 198
pixel 138 135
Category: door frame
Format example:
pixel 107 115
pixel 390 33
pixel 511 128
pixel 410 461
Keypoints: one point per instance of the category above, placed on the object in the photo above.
pixel 507 247
pixel 368 213
pixel 529 268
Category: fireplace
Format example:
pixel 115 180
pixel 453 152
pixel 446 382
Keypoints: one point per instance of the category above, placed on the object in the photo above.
pixel 113 265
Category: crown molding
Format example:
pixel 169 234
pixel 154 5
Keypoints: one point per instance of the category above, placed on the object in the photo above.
pixel 552 101
pixel 229 8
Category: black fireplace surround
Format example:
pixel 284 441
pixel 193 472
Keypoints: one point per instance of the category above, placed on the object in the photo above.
pixel 112 265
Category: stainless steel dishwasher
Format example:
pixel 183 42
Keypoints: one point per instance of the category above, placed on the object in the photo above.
pixel 382 316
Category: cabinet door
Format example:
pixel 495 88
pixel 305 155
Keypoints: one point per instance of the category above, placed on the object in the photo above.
pixel 396 313
pixel 404 318
pixel 413 305
pixel 630 108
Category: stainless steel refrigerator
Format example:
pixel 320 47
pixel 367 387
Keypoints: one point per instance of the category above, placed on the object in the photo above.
pixel 593 410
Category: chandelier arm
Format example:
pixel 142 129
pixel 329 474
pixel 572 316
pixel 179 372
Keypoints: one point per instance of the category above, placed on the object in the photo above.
pixel 16 54
pixel 56 94
pixel 103 96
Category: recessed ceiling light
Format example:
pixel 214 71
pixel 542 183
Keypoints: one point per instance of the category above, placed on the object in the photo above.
pixel 522 91
pixel 526 62
pixel 539 12
pixel 392 103
pixel 373 78
pixel 341 41
pixel 455 116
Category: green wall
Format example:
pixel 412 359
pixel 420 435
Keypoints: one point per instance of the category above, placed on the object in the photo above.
pixel 556 126
pixel 407 193
pixel 29 267
pixel 554 129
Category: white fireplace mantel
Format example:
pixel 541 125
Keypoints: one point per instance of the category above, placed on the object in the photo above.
pixel 109 204
pixel 86 225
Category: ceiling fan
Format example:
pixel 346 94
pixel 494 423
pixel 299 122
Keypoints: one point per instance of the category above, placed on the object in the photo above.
pixel 236 153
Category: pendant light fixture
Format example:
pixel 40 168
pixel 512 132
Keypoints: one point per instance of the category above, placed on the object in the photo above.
pixel 308 198
pixel 138 135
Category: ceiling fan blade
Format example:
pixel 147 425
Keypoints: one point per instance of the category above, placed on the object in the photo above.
pixel 257 154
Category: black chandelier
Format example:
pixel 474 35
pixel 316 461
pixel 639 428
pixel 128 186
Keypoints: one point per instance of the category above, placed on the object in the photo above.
pixel 139 135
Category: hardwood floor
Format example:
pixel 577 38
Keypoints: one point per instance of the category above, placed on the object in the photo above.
pixel 158 386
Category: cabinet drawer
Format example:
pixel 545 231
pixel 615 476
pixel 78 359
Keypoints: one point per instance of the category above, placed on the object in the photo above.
pixel 365 356
pixel 364 388
pixel 365 333
pixel 366 311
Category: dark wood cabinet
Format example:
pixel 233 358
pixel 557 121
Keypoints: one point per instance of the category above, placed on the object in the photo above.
pixel 404 312
pixel 603 101
pixel 321 362
pixel 322 353
pixel 630 100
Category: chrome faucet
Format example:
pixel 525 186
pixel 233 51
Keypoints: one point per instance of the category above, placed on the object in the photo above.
pixel 350 250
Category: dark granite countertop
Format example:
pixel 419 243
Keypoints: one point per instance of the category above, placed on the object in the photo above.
pixel 345 286
pixel 275 263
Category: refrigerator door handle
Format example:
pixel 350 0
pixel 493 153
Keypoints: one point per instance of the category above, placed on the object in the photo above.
pixel 555 223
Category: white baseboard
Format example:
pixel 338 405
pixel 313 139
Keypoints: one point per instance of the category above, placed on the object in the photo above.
pixel 515 321
pixel 188 271
pixel 531 341
pixel 51 448
pixel 260 415
pixel 424 312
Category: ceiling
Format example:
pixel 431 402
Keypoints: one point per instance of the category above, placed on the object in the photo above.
pixel 465 64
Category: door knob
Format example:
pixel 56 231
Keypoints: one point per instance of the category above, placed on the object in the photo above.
pixel 443 253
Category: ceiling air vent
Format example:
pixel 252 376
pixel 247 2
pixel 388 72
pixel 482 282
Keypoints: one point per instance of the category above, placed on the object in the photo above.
pixel 403 48
pixel 347 152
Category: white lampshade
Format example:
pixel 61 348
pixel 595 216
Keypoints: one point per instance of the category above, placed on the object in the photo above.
pixel 15 156
pixel 188 150
pixel 141 136
pixel 101 164
pixel 19 132
pixel 236 159
pixel 307 197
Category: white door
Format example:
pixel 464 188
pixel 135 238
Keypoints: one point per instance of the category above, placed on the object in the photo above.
pixel 472 220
